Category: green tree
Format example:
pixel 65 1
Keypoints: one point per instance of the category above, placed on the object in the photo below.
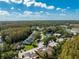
pixel 47 39
pixel 13 35
pixel 70 49
pixel 9 55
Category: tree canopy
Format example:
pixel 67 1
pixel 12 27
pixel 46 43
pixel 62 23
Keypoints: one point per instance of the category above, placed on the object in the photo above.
pixel 70 49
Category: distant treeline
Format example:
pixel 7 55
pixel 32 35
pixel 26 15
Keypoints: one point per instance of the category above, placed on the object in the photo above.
pixel 41 22
pixel 13 24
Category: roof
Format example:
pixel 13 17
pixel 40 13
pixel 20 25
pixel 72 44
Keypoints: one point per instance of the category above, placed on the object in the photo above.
pixel 29 39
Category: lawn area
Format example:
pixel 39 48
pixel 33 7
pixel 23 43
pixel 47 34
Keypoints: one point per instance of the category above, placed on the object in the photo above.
pixel 28 47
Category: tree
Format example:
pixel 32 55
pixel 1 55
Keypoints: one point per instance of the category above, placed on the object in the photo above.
pixel 13 35
pixel 6 47
pixel 37 35
pixel 9 55
pixel 8 39
pixel 70 49
pixel 47 39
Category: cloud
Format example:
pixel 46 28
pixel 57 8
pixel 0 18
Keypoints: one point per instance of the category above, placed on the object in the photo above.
pixel 62 14
pixel 47 13
pixel 13 1
pixel 4 13
pixel 28 3
pixel 30 13
pixel 40 4
pixel 5 0
pixel 43 5
pixel 26 13
pixel 58 9
pixel 50 7
pixel 16 1
pixel 12 8
pixel 39 13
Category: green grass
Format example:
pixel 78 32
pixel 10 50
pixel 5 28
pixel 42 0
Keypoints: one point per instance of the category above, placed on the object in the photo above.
pixel 28 47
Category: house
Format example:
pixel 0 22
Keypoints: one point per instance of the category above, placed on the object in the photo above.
pixel 57 34
pixel 75 31
pixel 52 44
pixel 60 39
pixel 43 50
pixel 27 54
pixel 39 28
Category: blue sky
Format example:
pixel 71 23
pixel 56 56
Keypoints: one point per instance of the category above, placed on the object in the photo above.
pixel 39 10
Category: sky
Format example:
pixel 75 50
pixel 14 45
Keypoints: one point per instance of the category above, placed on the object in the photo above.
pixel 14 10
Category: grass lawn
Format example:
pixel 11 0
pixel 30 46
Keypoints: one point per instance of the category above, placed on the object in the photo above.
pixel 28 47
